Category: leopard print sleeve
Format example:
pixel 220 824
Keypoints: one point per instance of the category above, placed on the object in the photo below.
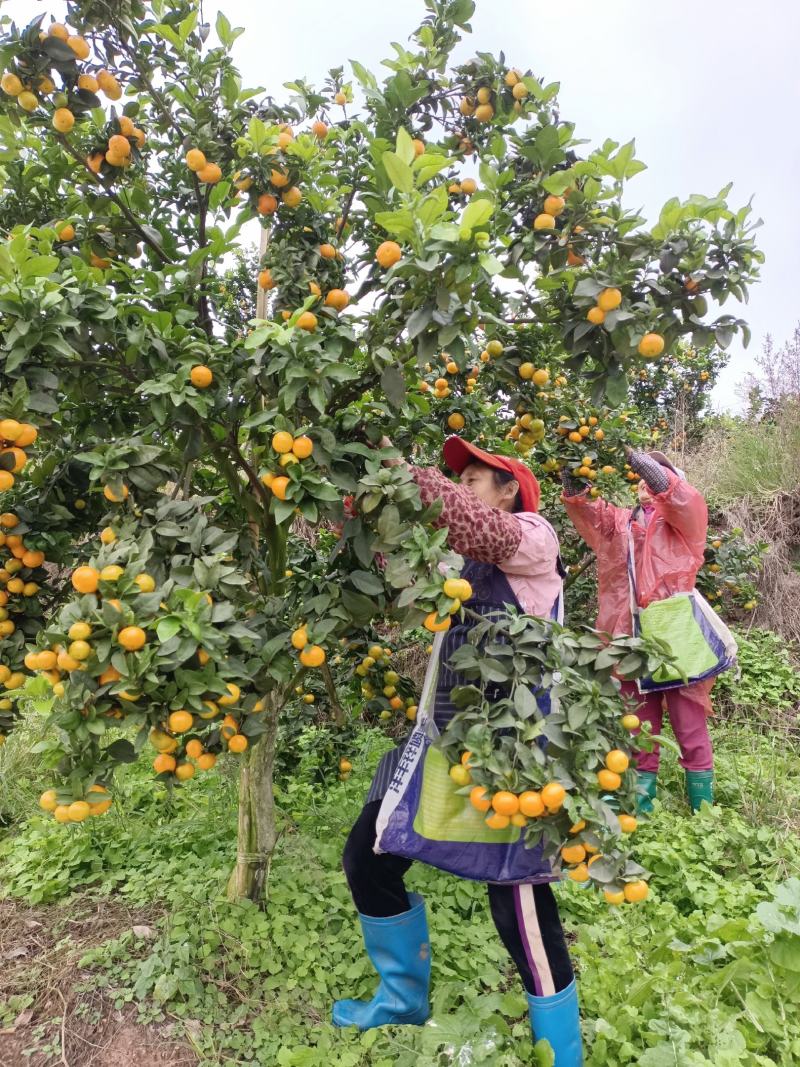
pixel 475 530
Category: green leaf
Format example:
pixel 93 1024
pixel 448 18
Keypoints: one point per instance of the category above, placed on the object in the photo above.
pixel 399 172
pixel 393 383
pixel 404 146
pixel 477 213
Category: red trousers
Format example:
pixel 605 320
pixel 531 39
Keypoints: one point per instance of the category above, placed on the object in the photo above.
pixel 688 709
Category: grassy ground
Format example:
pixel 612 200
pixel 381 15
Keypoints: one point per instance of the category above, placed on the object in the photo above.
pixel 118 947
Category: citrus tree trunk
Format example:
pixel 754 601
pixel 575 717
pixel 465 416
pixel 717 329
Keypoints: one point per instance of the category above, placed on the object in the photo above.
pixel 257 832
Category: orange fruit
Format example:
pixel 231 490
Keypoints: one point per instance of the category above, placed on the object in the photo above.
pixel 201 376
pixel 180 721
pixel 531 803
pixel 388 253
pixel 554 205
pixel 337 299
pixel 11 84
pixel 267 204
pixel 636 891
pixel 496 821
pixel 265 279
pixel 10 429
pixel 319 129
pixel 146 583
pixel 282 441
pixel 292 197
pixel 614 896
pixel 630 722
pixel 109 494
pixel 460 774
pixel 578 826
pixel 132 638
pixel 33 558
pixel 88 82
pixel 238 743
pixel 553 795
pixel 479 798
pixel 617 761
pixel 505 803
pixel 47 660
pixel 85 579
pixel 194 748
pixel 608 780
pixel 327 251
pixel 27 434
pixel 210 174
pixel 484 112
pixel 63 120
pixel 579 873
pixel 573 853
pixel 48 801
pixel 278 179
pixel 59 30
pixel 312 656
pixel 119 145
pixel 107 535
pixel 299 638
pixel 279 486
pixel 307 321
pixel 231 697
pixel 164 763
pixel 436 625
pixel 79 46
pixel 184 771
pixel 609 299
pixel 469 186
pixel 206 761
pixel 651 345
pixel 110 674
pixel 78 810
pixel 456 421
pixel 302 447
pixel 627 823
pixel 61 813
pixel 596 315
pixel 544 221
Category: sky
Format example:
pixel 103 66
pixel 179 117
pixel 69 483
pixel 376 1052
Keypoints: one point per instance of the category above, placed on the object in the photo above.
pixel 710 92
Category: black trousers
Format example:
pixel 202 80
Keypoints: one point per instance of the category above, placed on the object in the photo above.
pixel 526 916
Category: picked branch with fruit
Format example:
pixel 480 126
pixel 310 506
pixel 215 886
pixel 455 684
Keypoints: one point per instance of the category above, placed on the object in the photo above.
pixel 565 778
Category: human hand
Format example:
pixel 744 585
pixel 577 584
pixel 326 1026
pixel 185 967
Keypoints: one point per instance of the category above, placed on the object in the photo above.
pixel 386 442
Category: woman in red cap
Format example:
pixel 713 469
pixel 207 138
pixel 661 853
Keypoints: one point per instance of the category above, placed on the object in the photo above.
pixel 512 560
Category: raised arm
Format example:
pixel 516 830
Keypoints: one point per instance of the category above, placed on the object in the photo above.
pixel 483 533
pixel 594 519
pixel 678 503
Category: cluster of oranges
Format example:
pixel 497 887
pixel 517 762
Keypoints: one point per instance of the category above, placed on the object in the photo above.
pixel 482 104
pixel 505 808
pixel 207 172
pixel 181 756
pixel 458 590
pixel 118 149
pixel 14 438
pixel 26 88
pixel 380 682
pixel 289 449
pixel 17 573
pixel 65 808
pixel 310 655
pixel 443 387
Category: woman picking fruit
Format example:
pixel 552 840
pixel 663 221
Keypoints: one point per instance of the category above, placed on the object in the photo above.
pixel 512 561
pixel 668 529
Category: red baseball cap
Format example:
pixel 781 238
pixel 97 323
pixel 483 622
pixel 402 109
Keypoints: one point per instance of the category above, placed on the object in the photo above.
pixel 459 453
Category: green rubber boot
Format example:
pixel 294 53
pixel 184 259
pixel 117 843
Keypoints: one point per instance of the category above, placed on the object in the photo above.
pixel 699 787
pixel 646 782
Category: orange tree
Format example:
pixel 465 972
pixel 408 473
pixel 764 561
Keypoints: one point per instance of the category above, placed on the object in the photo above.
pixel 443 217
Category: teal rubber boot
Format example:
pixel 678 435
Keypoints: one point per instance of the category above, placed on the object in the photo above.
pixel 646 782
pixel 399 950
pixel 556 1019
pixel 699 787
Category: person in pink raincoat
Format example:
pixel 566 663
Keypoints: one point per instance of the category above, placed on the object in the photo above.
pixel 669 528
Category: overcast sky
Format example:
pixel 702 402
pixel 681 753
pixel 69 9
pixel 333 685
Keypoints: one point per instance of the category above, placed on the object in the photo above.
pixel 710 90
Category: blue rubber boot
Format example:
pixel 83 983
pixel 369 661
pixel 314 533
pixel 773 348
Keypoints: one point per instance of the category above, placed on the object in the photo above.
pixel 399 950
pixel 646 791
pixel 556 1019
pixel 699 787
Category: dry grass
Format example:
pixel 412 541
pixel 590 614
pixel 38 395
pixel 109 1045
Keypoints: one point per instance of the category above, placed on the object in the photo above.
pixel 59 1017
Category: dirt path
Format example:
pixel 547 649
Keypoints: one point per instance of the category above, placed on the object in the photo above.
pixel 51 1014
